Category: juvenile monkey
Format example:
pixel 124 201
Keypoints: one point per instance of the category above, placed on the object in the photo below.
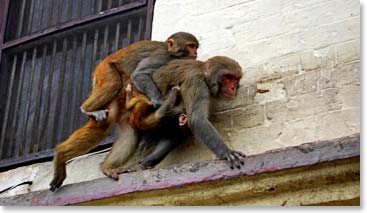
pixel 167 124
pixel 218 77
pixel 106 102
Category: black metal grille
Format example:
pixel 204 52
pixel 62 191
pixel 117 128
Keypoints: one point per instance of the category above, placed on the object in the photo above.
pixel 31 16
pixel 44 81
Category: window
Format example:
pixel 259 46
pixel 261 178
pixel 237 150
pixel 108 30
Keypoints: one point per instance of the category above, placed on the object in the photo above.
pixel 48 50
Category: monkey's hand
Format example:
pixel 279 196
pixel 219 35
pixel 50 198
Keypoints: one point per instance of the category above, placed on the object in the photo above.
pixel 156 102
pixel 234 159
pixel 99 115
pixel 129 92
pixel 59 177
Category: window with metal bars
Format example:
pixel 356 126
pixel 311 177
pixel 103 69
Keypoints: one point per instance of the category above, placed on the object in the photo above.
pixel 48 50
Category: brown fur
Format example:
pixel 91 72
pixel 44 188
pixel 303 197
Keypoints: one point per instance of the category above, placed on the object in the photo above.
pixel 198 82
pixel 110 79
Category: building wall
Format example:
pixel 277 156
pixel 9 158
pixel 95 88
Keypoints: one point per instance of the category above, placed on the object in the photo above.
pixel 301 84
pixel 301 61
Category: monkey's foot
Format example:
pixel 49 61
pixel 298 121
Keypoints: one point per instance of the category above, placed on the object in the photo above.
pixel 235 159
pixel 58 179
pixel 126 170
pixel 148 163
pixel 111 173
pixel 142 147
pixel 98 115
pixel 114 172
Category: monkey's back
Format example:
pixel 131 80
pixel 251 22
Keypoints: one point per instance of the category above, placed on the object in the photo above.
pixel 127 59
pixel 176 72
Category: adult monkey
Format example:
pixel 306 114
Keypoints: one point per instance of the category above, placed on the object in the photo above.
pixel 106 102
pixel 199 81
pixel 139 60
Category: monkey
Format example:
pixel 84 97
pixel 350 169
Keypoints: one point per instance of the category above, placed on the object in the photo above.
pixel 218 77
pixel 167 124
pixel 139 60
pixel 106 102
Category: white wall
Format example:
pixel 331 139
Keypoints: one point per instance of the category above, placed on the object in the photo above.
pixel 306 53
pixel 265 36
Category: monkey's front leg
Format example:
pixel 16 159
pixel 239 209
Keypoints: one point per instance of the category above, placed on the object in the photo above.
pixel 124 145
pixel 164 147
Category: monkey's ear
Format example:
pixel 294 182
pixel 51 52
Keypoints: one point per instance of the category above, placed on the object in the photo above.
pixel 208 68
pixel 171 45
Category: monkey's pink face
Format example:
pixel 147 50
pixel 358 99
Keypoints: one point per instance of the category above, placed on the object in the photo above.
pixel 230 83
pixel 191 51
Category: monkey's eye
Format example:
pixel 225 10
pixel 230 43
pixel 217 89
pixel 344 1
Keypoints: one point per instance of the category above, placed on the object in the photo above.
pixel 192 46
pixel 229 77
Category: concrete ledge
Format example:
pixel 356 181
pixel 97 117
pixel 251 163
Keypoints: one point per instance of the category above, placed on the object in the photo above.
pixel 105 191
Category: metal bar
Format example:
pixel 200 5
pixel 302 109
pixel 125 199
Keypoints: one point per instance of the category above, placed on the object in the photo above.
pixel 89 6
pixel 47 101
pixel 43 156
pixel 8 99
pixel 149 20
pixel 70 10
pixel 30 18
pixel 65 26
pixel 109 4
pixel 69 90
pixel 79 8
pixel 80 76
pixel 99 6
pixel 94 54
pixel 11 163
pixel 4 8
pixel 117 37
pixel 36 132
pixel 95 47
pixel 27 107
pixel 39 24
pixel 59 11
pixel 21 18
pixel 50 13
pixel 140 28
pixel 129 25
pixel 22 68
pixel 17 106
pixel 59 92
pixel 105 37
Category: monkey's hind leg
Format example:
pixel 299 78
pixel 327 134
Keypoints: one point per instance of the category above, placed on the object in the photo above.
pixel 124 145
pixel 80 142
pixel 106 85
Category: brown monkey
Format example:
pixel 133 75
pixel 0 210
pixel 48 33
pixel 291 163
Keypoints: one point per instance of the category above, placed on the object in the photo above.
pixel 110 79
pixel 218 77
pixel 165 125
pixel 139 60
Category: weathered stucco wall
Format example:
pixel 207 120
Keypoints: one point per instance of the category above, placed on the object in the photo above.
pixel 301 61
pixel 301 84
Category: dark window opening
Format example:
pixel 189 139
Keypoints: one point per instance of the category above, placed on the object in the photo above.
pixel 47 60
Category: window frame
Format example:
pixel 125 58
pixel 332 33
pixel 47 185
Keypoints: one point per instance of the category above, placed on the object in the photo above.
pixel 46 155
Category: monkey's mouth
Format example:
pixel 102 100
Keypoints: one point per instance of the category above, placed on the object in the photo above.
pixel 228 96
pixel 190 57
